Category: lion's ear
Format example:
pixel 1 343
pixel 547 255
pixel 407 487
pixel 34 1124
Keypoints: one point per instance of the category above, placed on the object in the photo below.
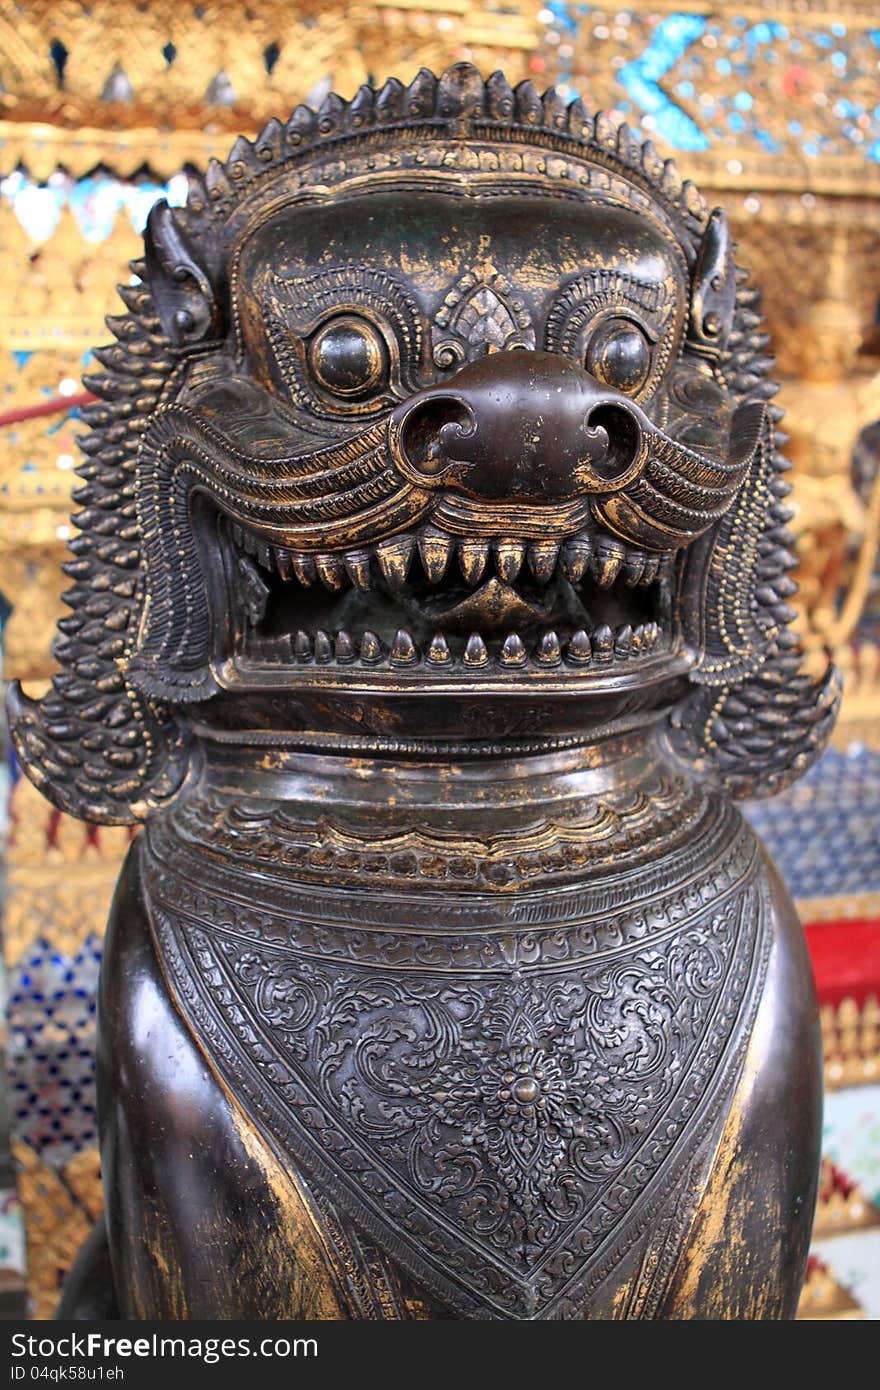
pixel 713 290
pixel 180 284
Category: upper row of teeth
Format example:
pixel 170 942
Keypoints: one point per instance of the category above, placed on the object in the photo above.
pixel 603 558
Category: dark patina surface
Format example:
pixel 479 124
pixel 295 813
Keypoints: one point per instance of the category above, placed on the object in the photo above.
pixel 430 603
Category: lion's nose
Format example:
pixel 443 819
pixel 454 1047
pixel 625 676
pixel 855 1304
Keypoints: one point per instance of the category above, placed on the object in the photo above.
pixel 524 426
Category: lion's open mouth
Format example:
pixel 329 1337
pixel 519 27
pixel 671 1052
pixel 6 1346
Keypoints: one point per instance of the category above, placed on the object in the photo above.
pixel 431 601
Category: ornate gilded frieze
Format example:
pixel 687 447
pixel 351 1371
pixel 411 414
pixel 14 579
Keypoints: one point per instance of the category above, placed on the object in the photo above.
pixel 763 96
pixel 83 83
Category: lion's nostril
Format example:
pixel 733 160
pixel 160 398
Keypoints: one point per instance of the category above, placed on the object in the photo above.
pixel 616 431
pixel 431 431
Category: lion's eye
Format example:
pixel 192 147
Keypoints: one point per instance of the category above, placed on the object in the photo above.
pixel 619 355
pixel 348 357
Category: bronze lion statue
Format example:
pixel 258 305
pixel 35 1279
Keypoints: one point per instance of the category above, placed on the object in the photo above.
pixel 430 604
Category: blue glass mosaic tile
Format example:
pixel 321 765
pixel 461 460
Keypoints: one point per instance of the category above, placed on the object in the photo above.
pixel 824 832
pixel 51 1046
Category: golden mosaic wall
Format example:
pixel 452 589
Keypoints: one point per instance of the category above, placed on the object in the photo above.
pixel 142 89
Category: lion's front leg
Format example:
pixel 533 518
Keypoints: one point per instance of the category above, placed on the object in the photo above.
pixel 203 1221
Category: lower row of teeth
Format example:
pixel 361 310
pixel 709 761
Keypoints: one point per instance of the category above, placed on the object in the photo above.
pixel 582 649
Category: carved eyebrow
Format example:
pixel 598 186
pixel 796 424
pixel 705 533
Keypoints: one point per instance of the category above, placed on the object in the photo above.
pixel 601 288
pixel 305 299
pixel 607 292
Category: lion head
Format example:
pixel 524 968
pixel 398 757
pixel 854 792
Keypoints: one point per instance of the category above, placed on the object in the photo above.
pixel 439 420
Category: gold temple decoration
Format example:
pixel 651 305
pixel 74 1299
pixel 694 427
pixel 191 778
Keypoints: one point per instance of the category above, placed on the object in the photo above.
pixel 824 1299
pixel 61 874
pixel 59 882
pixel 851 1042
pixel 60 1209
pixel 211 75
pixel 843 1204
pixel 804 90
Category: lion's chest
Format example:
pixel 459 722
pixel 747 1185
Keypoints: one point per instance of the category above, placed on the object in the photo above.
pixel 499 1109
